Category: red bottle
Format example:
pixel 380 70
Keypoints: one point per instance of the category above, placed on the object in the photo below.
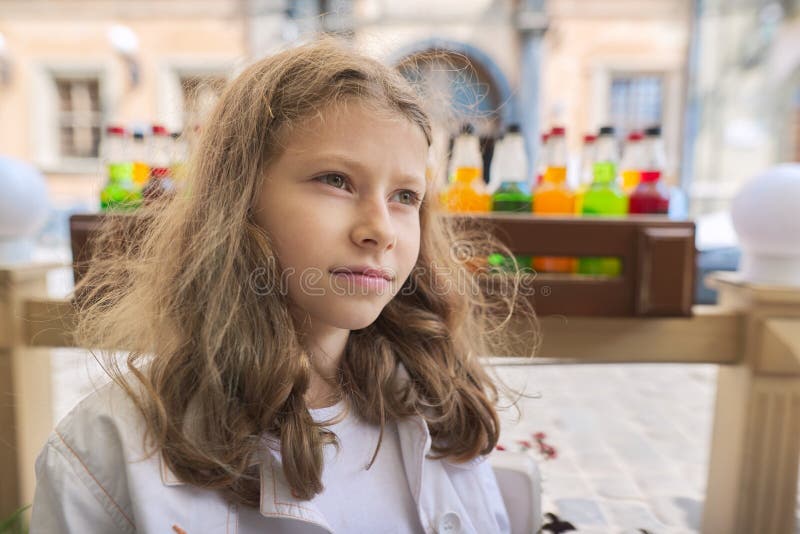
pixel 650 196
pixel 160 183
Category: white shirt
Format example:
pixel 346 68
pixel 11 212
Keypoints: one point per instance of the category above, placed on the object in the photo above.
pixel 92 476
pixel 379 499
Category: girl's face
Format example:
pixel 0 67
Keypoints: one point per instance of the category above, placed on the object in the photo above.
pixel 341 206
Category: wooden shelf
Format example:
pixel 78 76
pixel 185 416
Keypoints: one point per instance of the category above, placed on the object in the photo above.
pixel 657 256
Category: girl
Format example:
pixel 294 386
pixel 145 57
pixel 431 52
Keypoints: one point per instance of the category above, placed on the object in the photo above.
pixel 302 335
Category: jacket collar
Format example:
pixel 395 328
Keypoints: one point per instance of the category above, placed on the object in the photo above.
pixel 276 495
pixel 277 499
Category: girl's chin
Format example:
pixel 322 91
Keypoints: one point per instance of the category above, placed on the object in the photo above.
pixel 354 321
pixel 345 316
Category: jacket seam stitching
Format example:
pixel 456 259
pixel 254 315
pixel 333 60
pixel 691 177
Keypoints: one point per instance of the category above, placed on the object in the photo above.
pixel 86 468
pixel 275 500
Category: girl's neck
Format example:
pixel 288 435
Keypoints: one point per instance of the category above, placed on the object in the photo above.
pixel 326 346
pixel 321 393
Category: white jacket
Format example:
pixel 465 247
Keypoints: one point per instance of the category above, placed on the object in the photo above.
pixel 92 478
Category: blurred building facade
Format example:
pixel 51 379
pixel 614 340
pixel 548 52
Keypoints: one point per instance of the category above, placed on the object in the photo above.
pixel 67 77
pixel 69 67
pixel 743 104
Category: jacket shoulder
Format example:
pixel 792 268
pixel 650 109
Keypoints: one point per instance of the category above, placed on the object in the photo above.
pixel 107 416
pixel 93 443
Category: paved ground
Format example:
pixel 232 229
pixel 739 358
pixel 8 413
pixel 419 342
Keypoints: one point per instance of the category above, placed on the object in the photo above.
pixel 631 442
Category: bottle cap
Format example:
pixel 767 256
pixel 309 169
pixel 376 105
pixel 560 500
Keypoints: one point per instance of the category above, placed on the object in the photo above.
pixel 115 130
pixel 513 128
pixel 635 136
pixel 653 131
pixel 558 130
pixel 607 130
pixel 650 176
pixel 589 138
pixel 138 135
pixel 159 129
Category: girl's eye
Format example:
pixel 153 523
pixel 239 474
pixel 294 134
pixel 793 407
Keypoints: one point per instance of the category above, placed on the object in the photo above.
pixel 407 196
pixel 336 180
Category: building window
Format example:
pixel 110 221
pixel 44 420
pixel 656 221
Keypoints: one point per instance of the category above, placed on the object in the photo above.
pixel 80 117
pixel 636 101
pixel 199 94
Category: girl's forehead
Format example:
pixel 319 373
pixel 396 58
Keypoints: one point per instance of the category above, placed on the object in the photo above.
pixel 339 123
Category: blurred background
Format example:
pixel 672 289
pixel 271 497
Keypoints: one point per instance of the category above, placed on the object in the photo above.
pixel 722 77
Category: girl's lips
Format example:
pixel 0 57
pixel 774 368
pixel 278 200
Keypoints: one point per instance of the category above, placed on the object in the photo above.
pixel 365 270
pixel 348 280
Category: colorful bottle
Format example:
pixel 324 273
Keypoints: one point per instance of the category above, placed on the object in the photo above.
pixel 632 161
pixel 651 195
pixel 604 198
pixel 509 168
pixel 554 197
pixel 466 192
pixel 119 193
pixel 140 157
pixel 160 182
pixel 586 172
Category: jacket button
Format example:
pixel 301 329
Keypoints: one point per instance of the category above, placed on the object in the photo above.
pixel 449 523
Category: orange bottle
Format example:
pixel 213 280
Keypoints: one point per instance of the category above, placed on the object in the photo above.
pixel 140 154
pixel 466 192
pixel 554 197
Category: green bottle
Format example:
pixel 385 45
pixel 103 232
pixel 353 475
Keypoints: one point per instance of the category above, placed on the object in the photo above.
pixel 604 198
pixel 509 168
pixel 119 193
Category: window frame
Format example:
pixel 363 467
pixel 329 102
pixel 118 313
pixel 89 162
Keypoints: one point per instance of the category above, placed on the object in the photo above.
pixel 46 114
pixel 96 117
pixel 603 72
pixel 631 75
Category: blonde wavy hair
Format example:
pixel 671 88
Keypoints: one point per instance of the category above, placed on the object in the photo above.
pixel 214 365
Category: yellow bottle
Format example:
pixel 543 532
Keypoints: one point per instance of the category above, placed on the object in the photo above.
pixel 554 197
pixel 632 162
pixel 466 192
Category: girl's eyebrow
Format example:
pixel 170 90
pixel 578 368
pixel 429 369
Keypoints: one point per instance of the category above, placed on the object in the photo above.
pixel 349 162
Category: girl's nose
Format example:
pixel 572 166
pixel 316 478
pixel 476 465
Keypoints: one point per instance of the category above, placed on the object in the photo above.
pixel 374 228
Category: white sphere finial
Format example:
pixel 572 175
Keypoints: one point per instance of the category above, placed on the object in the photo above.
pixel 24 206
pixel 123 39
pixel 766 216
